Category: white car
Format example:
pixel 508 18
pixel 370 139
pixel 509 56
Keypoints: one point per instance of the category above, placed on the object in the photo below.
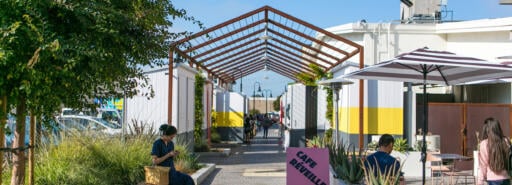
pixel 111 115
pixel 80 123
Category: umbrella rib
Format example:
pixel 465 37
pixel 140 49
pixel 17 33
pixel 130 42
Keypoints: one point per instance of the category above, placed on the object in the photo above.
pixel 410 67
pixel 438 68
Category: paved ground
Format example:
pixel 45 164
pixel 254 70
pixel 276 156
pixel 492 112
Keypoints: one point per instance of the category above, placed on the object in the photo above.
pixel 263 163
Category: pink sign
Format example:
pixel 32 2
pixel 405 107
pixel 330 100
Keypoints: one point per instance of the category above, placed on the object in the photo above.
pixel 307 166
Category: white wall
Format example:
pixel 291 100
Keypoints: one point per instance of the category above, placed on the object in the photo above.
pixel 298 106
pixel 229 102
pixel 322 121
pixel 152 112
pixel 483 45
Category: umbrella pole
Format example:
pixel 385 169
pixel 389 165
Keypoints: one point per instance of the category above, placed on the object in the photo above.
pixel 336 94
pixel 425 113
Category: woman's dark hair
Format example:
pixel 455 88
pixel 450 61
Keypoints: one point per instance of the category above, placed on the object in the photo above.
pixel 167 130
pixel 497 145
pixel 386 139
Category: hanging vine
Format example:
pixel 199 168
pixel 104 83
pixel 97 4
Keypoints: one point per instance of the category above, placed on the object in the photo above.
pixel 329 113
pixel 198 108
pixel 311 79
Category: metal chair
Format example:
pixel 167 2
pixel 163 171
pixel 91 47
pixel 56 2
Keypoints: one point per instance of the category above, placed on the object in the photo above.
pixel 458 170
pixel 436 167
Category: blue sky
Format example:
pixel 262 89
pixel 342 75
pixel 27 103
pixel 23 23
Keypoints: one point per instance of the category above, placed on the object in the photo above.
pixel 321 13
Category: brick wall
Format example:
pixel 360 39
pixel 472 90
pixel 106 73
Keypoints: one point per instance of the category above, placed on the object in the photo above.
pixel 259 104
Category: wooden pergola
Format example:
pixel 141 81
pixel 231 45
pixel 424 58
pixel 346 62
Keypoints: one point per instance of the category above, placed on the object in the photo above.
pixel 263 39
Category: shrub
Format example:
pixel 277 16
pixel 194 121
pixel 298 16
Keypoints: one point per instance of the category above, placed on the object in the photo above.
pixel 186 161
pixel 400 145
pixel 215 136
pixel 92 158
pixel 373 145
pixel 328 134
pixel 201 146
pixel 346 163
pixel 391 177
pixel 317 142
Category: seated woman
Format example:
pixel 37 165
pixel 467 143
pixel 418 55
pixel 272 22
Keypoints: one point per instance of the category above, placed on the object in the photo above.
pixel 163 153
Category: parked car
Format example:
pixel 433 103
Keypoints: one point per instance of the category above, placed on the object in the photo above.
pixel 81 123
pixel 10 128
pixel 111 115
pixel 47 130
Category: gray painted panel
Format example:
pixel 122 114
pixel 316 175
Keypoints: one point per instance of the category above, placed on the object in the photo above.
pixel 298 138
pixel 231 133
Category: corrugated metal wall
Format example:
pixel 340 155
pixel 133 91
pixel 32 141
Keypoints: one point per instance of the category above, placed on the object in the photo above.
pixel 457 123
pixel 150 111
pixel 153 112
pixel 229 109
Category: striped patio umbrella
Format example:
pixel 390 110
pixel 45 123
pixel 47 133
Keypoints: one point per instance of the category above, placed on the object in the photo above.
pixel 427 66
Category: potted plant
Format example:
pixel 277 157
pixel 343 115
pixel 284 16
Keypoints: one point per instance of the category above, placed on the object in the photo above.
pixel 346 164
pixel 400 145
pixel 409 158
pixel 391 177
pixel 317 142
pixel 372 146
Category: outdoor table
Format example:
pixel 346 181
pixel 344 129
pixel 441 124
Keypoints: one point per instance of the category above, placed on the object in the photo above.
pixel 451 157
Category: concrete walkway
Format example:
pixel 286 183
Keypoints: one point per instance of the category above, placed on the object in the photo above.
pixel 261 163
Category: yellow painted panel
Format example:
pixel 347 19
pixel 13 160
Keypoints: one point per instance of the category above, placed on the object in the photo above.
pixel 376 120
pixel 229 119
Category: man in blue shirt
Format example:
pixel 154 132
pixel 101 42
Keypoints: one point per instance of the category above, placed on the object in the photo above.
pixel 381 159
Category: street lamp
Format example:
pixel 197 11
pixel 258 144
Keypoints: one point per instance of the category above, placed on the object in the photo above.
pixel 254 95
pixel 241 75
pixel 266 99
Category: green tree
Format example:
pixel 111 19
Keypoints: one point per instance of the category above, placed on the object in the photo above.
pixel 277 104
pixel 310 79
pixel 55 53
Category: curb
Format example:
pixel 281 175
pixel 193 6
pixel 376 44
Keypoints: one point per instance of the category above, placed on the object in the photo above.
pixel 221 152
pixel 202 173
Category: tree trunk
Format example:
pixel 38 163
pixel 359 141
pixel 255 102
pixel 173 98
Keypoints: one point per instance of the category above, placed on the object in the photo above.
pixel 3 118
pixel 31 150
pixel 18 159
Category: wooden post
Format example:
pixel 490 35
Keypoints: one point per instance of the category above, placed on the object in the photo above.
pixel 31 151
pixel 171 78
pixel 3 119
pixel 361 102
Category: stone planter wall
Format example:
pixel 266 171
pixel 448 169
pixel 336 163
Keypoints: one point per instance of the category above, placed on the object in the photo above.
pixel 200 175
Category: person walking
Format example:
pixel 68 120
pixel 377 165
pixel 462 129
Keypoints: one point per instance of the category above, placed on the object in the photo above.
pixel 247 129
pixel 493 155
pixel 266 124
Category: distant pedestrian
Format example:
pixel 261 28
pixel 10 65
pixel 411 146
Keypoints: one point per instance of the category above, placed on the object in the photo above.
pixel 253 126
pixel 493 155
pixel 266 124
pixel 259 121
pixel 247 129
